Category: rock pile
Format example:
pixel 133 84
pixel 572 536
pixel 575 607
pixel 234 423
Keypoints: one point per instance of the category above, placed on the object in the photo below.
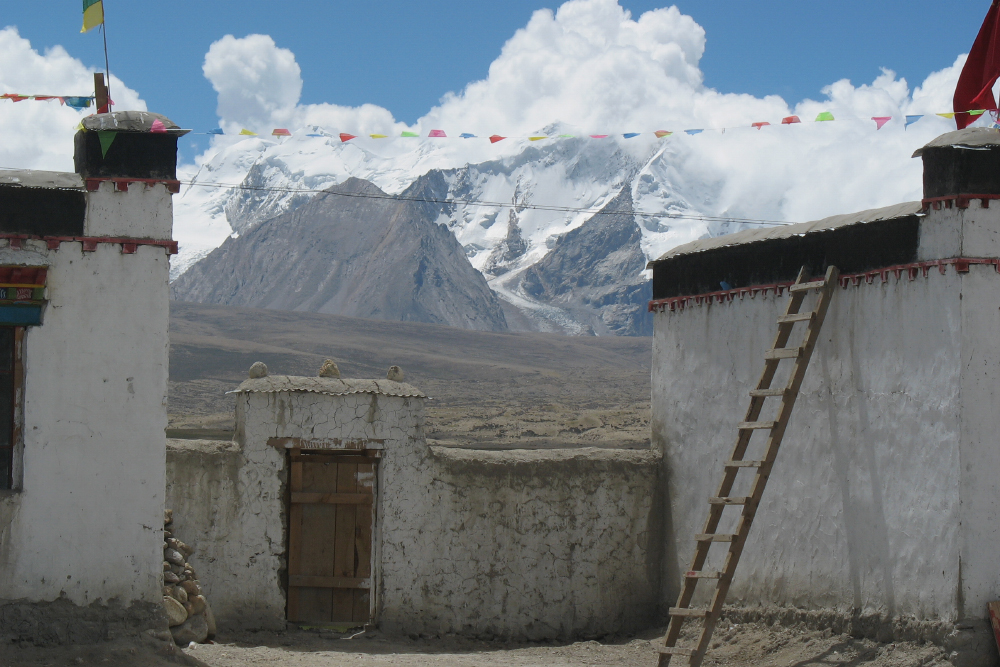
pixel 190 618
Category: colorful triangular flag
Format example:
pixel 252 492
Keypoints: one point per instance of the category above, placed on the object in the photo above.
pixel 466 135
pixel 281 132
pixel 629 135
pixel 790 120
pixel 826 115
pixel 408 134
pixel 694 131
pixel 439 134
pixel 662 133
pixel 598 136
pixel 345 137
pixel 536 138
pixel 495 138
pixel 107 138
pixel 950 114
pixel 378 136
pixel 880 121
pixel 760 124
pixel 247 133
pixel 910 120
pixel 217 130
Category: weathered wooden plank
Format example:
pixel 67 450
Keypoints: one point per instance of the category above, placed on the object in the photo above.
pixel 332 498
pixel 345 553
pixel 329 582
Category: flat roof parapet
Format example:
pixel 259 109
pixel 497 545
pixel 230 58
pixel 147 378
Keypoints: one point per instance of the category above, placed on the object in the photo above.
pixel 326 386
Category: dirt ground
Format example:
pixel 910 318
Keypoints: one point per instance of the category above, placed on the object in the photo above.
pixel 744 645
pixel 751 645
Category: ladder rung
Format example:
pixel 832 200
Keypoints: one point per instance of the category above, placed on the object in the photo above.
pixel 784 353
pixel 703 574
pixel 714 537
pixel 682 611
pixel 750 426
pixel 675 650
pixel 756 393
pixel 736 500
pixel 805 287
pixel 798 317
pixel 744 464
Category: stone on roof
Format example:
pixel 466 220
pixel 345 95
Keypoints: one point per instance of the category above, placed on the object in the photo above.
pixel 970 137
pixel 130 121
pixel 788 231
pixel 327 386
pixel 31 178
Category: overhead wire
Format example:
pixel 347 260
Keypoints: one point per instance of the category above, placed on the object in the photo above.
pixel 493 204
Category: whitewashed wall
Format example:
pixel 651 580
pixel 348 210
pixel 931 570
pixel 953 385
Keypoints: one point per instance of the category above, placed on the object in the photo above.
pixel 883 501
pixel 86 523
pixel 513 544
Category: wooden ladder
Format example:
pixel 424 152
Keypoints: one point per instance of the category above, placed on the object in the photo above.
pixel 787 395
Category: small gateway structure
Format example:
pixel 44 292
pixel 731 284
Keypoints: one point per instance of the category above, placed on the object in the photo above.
pixel 83 379
pixel 881 516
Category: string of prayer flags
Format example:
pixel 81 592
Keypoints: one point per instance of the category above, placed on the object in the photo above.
pixel 437 134
pixel 790 120
pixel 880 121
pixel 76 102
pixel 826 115
pixel 760 124
pixel 910 120
pixel 280 132
pixel 408 134
pixel 345 137
pixel 495 138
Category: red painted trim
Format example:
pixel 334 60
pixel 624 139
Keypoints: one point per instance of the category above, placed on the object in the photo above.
pixel 89 243
pixel 912 270
pixel 121 184
pixel 958 201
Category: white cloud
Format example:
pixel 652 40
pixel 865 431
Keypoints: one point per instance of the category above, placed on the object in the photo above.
pixel 259 86
pixel 594 68
pixel 39 135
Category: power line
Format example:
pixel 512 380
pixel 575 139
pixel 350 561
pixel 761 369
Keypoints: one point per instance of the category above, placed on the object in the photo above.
pixel 491 204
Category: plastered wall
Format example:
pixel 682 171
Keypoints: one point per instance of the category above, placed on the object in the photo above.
pixel 882 503
pixel 85 522
pixel 512 544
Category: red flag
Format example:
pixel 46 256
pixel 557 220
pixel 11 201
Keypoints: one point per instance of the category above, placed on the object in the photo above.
pixel 981 71
pixel 759 125
pixel 495 138
pixel 345 137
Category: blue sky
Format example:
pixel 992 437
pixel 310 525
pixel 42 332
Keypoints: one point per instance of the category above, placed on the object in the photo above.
pixel 405 55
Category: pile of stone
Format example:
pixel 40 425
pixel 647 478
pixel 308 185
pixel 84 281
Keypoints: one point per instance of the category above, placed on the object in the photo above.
pixel 188 613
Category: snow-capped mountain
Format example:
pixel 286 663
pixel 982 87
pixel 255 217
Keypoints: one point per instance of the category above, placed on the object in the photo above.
pixel 561 229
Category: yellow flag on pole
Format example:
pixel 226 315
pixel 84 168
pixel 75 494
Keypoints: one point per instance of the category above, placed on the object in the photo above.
pixel 93 14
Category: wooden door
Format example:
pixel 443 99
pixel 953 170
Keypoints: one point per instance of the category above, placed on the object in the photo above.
pixel 331 511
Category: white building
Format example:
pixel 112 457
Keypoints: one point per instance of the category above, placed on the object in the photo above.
pixel 881 513
pixel 84 260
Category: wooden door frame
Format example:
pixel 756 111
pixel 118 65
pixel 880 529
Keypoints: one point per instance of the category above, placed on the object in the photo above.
pixel 372 456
